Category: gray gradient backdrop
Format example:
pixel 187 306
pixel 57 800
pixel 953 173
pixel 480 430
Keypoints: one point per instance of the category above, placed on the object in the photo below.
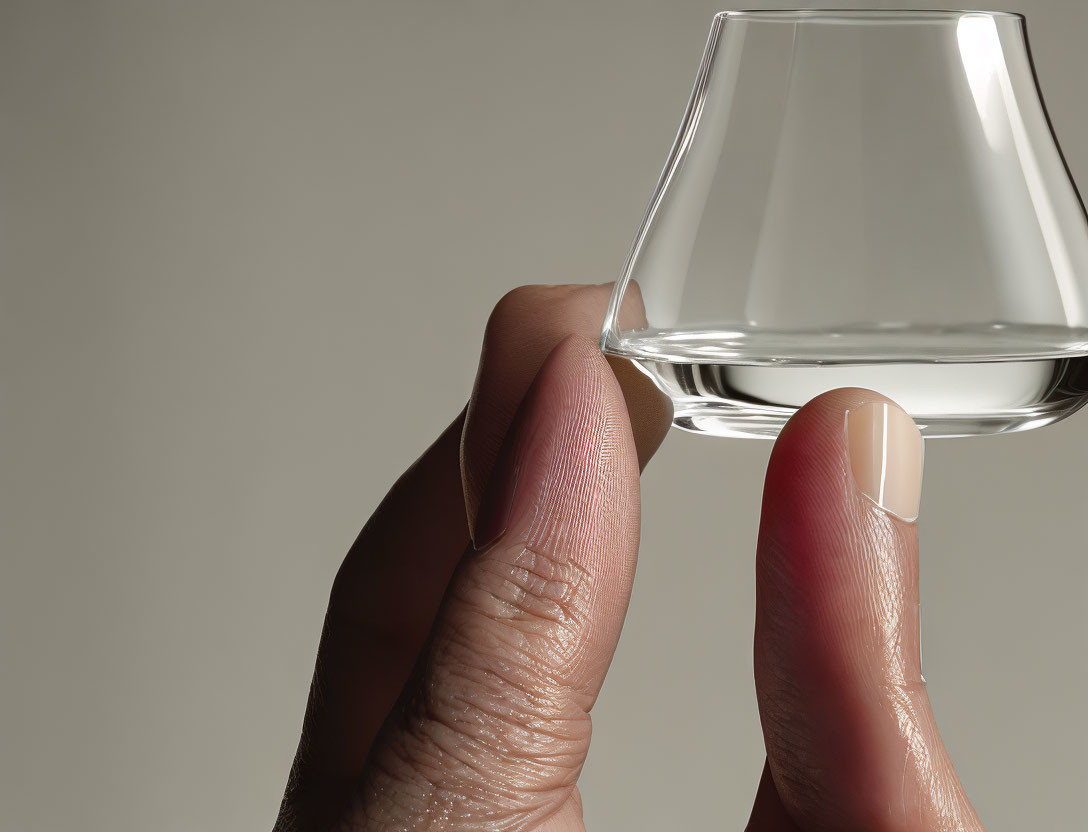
pixel 246 253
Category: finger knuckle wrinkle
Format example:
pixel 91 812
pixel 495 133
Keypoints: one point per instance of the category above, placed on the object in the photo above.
pixel 459 752
pixel 541 602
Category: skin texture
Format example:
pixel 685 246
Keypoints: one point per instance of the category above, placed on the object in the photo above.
pixel 454 683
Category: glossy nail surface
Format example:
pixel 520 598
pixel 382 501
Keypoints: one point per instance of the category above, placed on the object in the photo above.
pixel 886 457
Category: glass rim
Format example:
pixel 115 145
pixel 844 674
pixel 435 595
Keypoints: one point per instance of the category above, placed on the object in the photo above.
pixel 859 15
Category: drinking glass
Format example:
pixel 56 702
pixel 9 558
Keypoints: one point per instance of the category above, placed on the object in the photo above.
pixel 861 198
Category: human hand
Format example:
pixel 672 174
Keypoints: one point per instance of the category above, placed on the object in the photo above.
pixel 454 681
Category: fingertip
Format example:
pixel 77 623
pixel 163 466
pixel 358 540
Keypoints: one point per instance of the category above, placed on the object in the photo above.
pixel 572 427
pixel 851 443
pixel 826 411
pixel 524 328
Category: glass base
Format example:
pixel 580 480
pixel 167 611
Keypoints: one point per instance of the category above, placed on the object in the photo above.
pixel 945 399
pixel 754 422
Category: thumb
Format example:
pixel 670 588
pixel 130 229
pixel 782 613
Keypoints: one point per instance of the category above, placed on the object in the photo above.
pixel 495 727
pixel 851 740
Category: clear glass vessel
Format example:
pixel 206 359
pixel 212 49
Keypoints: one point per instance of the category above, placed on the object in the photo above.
pixel 861 198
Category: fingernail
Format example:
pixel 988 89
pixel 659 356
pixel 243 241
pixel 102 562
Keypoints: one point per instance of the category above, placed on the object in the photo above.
pixel 494 516
pixel 885 450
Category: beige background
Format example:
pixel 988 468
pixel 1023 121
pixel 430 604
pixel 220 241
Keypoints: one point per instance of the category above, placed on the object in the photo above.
pixel 246 252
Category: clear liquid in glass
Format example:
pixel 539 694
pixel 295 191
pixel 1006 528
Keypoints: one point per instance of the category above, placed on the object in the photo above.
pixel 954 382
